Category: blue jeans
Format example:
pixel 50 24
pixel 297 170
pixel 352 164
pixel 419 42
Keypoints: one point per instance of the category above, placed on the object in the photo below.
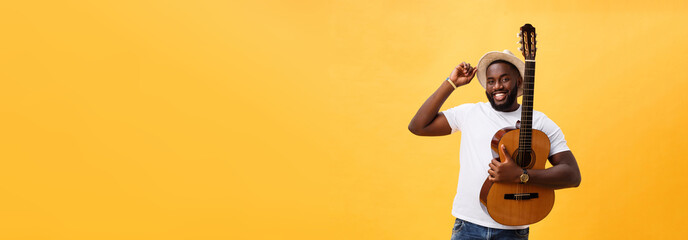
pixel 466 230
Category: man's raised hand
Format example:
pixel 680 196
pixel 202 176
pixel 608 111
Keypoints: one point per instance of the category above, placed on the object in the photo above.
pixel 462 74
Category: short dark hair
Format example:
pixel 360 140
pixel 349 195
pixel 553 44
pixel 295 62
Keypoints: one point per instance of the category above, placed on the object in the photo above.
pixel 504 61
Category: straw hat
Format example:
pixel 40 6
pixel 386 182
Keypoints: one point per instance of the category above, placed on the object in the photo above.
pixel 505 55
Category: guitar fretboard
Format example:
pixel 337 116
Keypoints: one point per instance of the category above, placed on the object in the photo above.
pixel 525 137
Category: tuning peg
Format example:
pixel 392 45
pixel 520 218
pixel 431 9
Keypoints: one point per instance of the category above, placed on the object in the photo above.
pixel 520 34
pixel 520 41
pixel 520 49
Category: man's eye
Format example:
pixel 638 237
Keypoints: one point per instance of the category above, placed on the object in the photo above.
pixel 505 79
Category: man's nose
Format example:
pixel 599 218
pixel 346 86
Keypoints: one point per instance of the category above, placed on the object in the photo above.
pixel 498 85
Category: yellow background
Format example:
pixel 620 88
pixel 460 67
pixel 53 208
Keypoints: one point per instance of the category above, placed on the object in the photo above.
pixel 287 119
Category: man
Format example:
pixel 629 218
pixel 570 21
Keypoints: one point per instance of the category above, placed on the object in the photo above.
pixel 501 74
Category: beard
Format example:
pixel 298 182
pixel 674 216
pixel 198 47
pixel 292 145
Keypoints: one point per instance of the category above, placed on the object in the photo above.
pixel 513 94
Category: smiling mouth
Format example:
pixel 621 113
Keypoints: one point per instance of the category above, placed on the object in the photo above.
pixel 499 96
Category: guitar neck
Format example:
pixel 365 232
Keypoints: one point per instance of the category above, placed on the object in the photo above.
pixel 525 137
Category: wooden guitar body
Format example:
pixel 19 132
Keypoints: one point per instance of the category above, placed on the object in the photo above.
pixel 517 204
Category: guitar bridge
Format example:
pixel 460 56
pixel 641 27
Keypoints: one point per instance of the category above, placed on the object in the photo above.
pixel 520 196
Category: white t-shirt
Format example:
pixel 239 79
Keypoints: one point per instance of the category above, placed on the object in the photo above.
pixel 478 122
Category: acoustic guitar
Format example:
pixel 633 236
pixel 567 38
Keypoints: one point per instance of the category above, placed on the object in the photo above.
pixel 516 204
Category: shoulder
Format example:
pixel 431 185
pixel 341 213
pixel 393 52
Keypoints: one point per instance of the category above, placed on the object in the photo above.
pixel 540 116
pixel 456 116
pixel 463 107
pixel 542 122
pixel 554 133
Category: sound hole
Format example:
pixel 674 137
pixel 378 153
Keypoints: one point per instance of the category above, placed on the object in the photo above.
pixel 524 158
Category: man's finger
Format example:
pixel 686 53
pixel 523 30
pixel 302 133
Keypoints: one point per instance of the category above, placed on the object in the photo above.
pixel 507 157
pixel 495 162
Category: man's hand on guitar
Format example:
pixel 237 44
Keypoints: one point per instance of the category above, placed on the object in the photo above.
pixel 505 171
pixel 462 74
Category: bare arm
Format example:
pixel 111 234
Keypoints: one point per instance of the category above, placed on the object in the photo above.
pixel 428 121
pixel 564 172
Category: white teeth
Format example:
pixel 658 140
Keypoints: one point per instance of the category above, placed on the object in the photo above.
pixel 500 96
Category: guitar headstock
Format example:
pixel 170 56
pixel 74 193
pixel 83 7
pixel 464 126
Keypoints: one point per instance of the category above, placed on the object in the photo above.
pixel 527 41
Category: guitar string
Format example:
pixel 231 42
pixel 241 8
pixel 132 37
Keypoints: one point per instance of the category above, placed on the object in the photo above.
pixel 526 121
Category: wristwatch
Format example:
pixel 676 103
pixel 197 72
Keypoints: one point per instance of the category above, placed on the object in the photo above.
pixel 524 176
